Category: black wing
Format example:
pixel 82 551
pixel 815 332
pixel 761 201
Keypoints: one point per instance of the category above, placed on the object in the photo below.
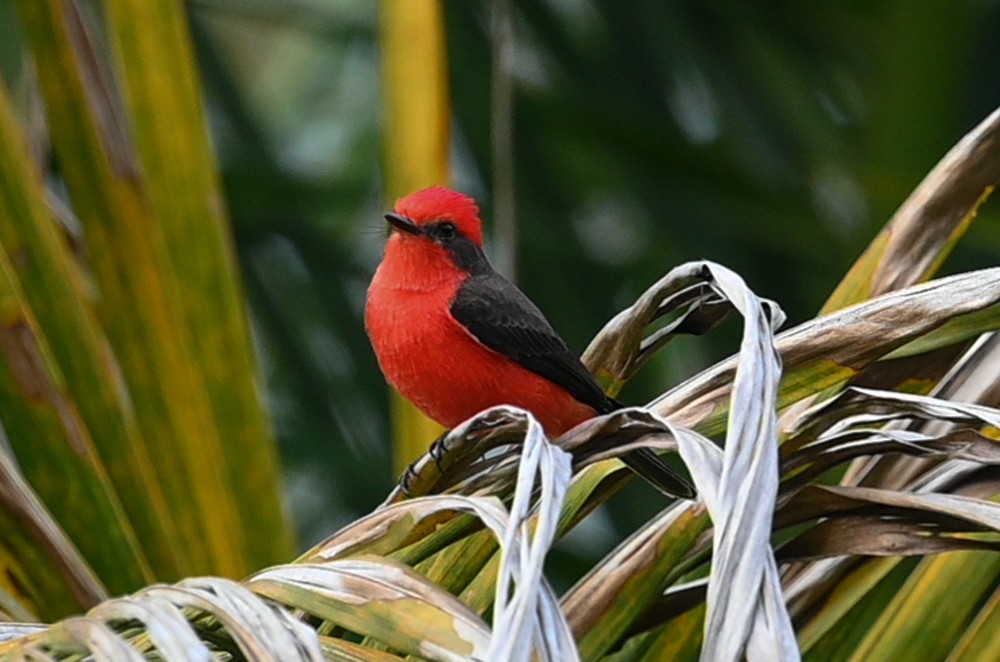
pixel 501 317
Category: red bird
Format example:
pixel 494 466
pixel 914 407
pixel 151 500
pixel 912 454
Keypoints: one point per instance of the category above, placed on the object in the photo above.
pixel 455 337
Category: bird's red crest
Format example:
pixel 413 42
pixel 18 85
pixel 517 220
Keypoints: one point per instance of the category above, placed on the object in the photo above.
pixel 440 204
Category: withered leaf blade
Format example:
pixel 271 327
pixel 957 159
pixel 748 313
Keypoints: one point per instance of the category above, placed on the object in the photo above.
pixel 871 536
pixel 690 290
pixel 746 613
pixel 947 511
pixel 815 459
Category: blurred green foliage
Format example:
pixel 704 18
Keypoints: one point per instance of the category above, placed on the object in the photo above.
pixel 773 137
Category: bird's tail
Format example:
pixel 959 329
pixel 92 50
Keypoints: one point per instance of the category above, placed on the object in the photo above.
pixel 658 473
pixel 651 467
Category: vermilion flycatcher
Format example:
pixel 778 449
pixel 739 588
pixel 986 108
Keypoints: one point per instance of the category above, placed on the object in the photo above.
pixel 455 337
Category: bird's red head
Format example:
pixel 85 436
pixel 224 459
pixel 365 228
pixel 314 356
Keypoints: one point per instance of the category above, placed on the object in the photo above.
pixel 436 205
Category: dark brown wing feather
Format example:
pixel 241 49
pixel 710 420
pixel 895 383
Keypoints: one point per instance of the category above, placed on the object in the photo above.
pixel 501 317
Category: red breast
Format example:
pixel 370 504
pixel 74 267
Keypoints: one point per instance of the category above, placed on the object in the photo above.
pixel 426 353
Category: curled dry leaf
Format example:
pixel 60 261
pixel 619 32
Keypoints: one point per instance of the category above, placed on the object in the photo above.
pixel 972 379
pixel 623 346
pixel 867 422
pixel 381 599
pixel 93 636
pixel 477 456
pixel 169 630
pixel 808 463
pixel 870 406
pixel 527 618
pixel 185 621
pixel 746 613
pixel 257 628
pixel 615 434
pixel 828 351
pixel 482 454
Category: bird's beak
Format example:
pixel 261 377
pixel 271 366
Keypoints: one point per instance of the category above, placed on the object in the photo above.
pixel 403 224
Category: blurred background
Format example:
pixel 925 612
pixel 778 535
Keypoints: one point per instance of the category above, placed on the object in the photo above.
pixel 609 141
pixel 773 137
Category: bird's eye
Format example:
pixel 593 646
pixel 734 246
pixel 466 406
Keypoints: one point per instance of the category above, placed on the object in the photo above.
pixel 445 231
